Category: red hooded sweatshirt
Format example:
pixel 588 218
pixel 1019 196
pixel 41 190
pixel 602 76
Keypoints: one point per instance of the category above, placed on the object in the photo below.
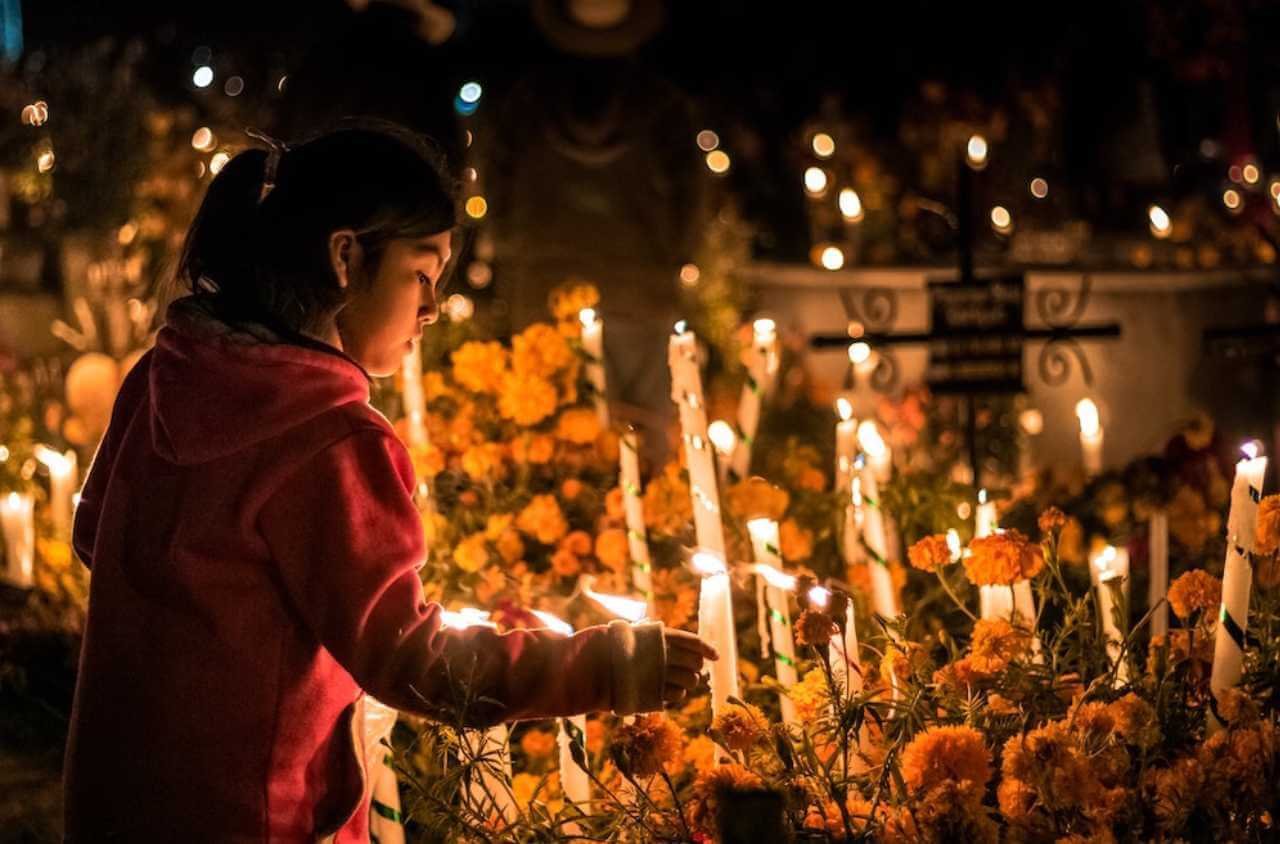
pixel 255 551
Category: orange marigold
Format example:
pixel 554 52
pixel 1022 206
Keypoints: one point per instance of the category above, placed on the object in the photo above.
pixel 644 746
pixel 567 299
pixel 795 542
pixel 1268 528
pixel 1173 792
pixel 930 553
pixel 741 727
pixel 1002 559
pixel 533 448
pixel 1052 520
pixel 811 695
pixel 675 597
pixel 483 461
pixel 757 498
pixel 538 743
pixel 1194 591
pixel 944 754
pixel 614 507
pixel 578 425
pixel 479 366
pixel 526 399
pixel 814 627
pixel 540 350
pixel 709 787
pixel 997 638
pixel 472 553
pixel 543 520
pixel 667 505
pixel 612 549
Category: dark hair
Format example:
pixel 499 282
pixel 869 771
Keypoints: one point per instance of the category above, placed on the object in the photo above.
pixel 269 259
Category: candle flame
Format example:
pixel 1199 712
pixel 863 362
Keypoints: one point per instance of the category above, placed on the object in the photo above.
pixel 708 564
pixel 14 501
pixel 587 316
pixel 559 625
pixel 1251 449
pixel 623 607
pixel 1087 413
pixel 953 544
pixel 982 496
pixel 763 528
pixel 764 329
pixel 844 408
pixel 776 579
pixel 59 465
pixel 859 352
pixel 820 596
pixel 465 617
pixel 869 439
pixel 855 487
pixel 722 436
pixel 681 327
pixel 1106 557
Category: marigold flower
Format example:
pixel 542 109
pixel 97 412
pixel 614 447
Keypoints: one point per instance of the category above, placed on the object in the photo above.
pixel 479 366
pixel 997 638
pixel 668 509
pixel 814 627
pixel 578 425
pixel 1002 559
pixel 709 787
pixel 644 746
pixel 1135 720
pixel 533 448
pixel 810 695
pixel 943 754
pixel 543 520
pixel 567 300
pixel 1052 520
pixel 540 351
pixel 1173 792
pixel 472 553
pixel 565 563
pixel 612 548
pixel 741 727
pixel 930 553
pixel 538 744
pixel 756 498
pixel 483 462
pixel 675 598
pixel 1194 591
pixel 614 508
pixel 526 399
pixel 795 542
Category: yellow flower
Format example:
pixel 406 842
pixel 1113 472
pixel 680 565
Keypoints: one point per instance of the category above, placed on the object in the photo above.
pixel 537 449
pixel 1002 559
pixel 428 461
pixel 525 788
pixel 930 553
pixel 565 563
pixel 1268 529
pixel 614 508
pixel 526 399
pixel 510 546
pixel 483 462
pixel 434 386
pixel 1135 720
pixel 643 747
pixel 538 743
pixel 497 524
pixel 612 549
pixel 479 366
pixel 741 727
pixel 1194 591
pixel 997 638
pixel 578 425
pixel 472 553
pixel 667 505
pixel 54 554
pixel 540 350
pixel 543 520
pixel 700 754
pixel 675 598
pixel 757 498
pixel 796 543
pixel 945 753
pixel 900 663
pixel 568 299
pixel 811 695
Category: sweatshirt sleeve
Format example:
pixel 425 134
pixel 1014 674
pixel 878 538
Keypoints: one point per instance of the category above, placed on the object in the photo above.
pixel 348 542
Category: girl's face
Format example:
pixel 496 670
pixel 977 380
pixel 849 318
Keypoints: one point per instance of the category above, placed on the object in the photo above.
pixel 385 312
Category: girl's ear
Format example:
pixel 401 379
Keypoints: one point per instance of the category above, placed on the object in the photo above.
pixel 345 256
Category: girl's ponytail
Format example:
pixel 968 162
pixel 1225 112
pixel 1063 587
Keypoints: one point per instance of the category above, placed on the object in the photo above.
pixel 221 248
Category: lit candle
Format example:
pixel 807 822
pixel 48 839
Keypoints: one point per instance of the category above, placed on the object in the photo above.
pixel 379 721
pixel 1158 552
pixel 879 455
pixel 866 497
pixel 1090 436
pixel 1237 576
pixel 777 585
pixel 842 651
pixel 762 366
pixel 724 440
pixel 630 609
pixel 686 392
pixel 1110 571
pixel 413 398
pixel 593 348
pixel 994 601
pixel 633 507
pixel 715 626
pixel 63 477
pixel 846 443
pixel 490 790
pixel 574 781
pixel 17 520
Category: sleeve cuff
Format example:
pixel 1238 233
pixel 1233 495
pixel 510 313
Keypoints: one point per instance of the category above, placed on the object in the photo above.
pixel 638 658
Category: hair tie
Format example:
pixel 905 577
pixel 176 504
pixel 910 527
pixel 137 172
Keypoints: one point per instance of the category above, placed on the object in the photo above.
pixel 275 151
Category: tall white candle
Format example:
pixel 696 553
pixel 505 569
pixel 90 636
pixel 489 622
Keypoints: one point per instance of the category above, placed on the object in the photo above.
pixel 715 626
pixel 846 444
pixel 777 586
pixel 384 821
pixel 415 406
pixel 633 507
pixel 1158 554
pixel 1109 569
pixel 686 392
pixel 1090 436
pixel 593 348
pixel 879 455
pixel 762 365
pixel 725 441
pixel 1237 576
pixel 63 479
pixel 867 498
pixel 994 601
pixel 574 781
pixel 18 522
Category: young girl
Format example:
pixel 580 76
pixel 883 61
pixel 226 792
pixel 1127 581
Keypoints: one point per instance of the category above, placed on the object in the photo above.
pixel 254 544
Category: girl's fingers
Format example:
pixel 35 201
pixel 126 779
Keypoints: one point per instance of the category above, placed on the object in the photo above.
pixel 682 640
pixel 684 659
pixel 674 694
pixel 685 678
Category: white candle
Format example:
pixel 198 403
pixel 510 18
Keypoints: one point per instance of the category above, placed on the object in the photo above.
pixel 1158 553
pixel 846 444
pixel 1237 576
pixel 725 442
pixel 379 721
pixel 593 348
pixel 1109 569
pixel 715 626
pixel 63 479
pixel 631 609
pixel 415 406
pixel 686 392
pixel 17 520
pixel 119 328
pixel 993 601
pixel 879 455
pixel 762 366
pixel 1090 436
pixel 574 781
pixel 842 651
pixel 777 585
pixel 633 507
pixel 867 499
pixel 985 518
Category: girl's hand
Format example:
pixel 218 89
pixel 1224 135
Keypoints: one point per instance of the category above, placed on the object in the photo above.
pixel 685 655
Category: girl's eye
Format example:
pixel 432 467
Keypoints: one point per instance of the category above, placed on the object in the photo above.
pixel 422 278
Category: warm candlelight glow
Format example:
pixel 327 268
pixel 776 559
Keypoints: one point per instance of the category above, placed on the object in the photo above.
pixel 815 180
pixel 722 436
pixel 1001 220
pixel 718 161
pixel 1251 449
pixel 776 579
pixel 764 330
pixel 982 496
pixel 1031 421
pixel 824 146
pixel 708 564
pixel 587 316
pixel 681 327
pixel 623 607
pixel 559 625
pixel 820 596
pixel 976 152
pixel 832 258
pixel 859 352
pixel 1087 413
pixel 1161 225
pixel 844 408
pixel 14 501
pixel 870 441
pixel 953 544
pixel 465 617
pixel 1104 561
pixel 59 465
pixel 851 205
